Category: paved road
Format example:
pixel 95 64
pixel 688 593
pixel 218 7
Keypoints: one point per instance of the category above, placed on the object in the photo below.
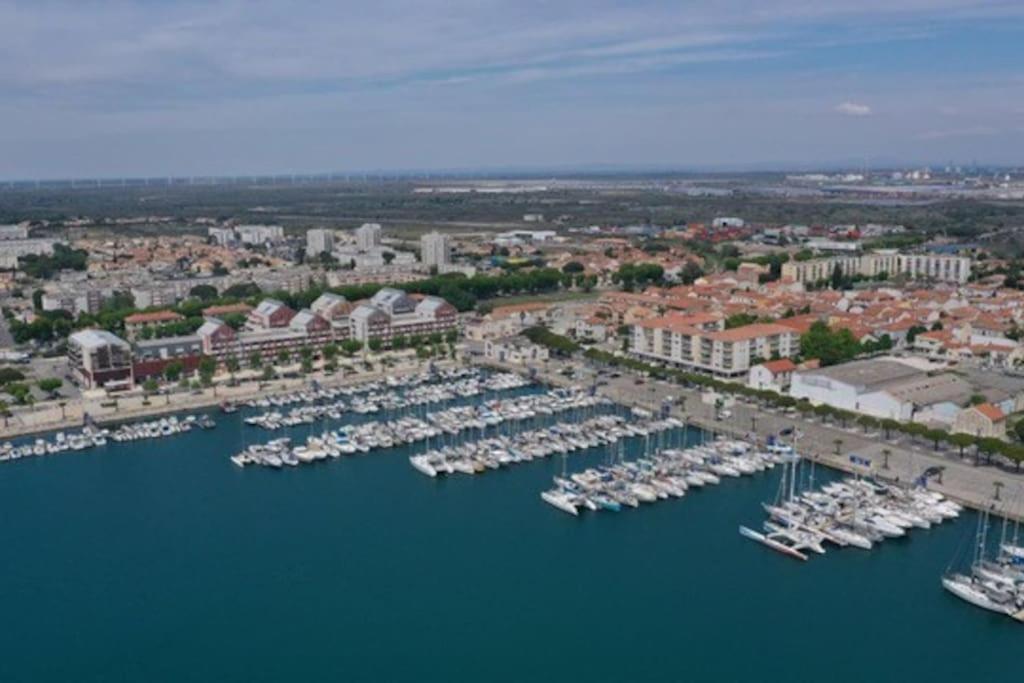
pixel 961 479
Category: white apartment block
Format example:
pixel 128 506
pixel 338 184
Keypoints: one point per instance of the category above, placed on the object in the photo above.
pixel 721 352
pixel 13 232
pixel 13 249
pixel 938 267
pixel 368 236
pixel 318 241
pixel 434 250
pixel 259 234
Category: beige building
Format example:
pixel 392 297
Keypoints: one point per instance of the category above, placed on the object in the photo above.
pixel 924 266
pixel 675 340
pixel 984 420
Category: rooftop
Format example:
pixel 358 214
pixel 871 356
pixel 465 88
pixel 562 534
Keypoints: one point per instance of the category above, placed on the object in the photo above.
pixel 92 339
pixel 867 374
pixel 153 317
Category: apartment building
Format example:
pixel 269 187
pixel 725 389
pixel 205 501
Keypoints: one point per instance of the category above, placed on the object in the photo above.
pixel 269 314
pixel 319 241
pixel 74 301
pixel 938 267
pixel 392 313
pixel 677 341
pixel 434 250
pixel 135 323
pixel 368 236
pixel 13 249
pixel 99 358
pixel 304 329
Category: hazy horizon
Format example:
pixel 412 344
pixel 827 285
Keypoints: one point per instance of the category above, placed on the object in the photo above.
pixel 135 88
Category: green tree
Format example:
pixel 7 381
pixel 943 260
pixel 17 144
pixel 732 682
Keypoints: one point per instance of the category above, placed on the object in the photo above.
pixel 255 359
pixel 351 347
pixel 207 367
pixel 283 356
pixel 961 441
pixel 232 364
pixel 50 385
pixel 836 281
pixel 888 426
pixel 203 292
pixel 173 371
pixel 935 436
pixel 150 386
pixel 572 267
pixel 375 344
pixel 829 347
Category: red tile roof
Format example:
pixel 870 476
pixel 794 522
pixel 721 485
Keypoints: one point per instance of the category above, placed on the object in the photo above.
pixel 154 317
pixel 781 365
pixel 990 411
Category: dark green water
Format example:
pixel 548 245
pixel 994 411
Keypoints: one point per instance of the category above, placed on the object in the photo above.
pixel 162 561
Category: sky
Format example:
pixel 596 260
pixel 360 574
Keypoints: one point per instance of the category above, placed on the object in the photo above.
pixel 112 88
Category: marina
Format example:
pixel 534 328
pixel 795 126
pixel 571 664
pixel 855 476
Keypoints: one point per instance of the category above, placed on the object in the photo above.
pixel 338 548
pixel 855 512
pixel 562 438
pixel 373 397
pixel 664 474
pixel 97 437
pixel 409 429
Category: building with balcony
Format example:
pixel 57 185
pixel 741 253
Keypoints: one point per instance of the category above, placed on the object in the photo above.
pixel 98 358
pixel 681 341
pixel 938 267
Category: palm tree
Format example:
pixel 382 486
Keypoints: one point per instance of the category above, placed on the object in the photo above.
pixel 885 458
pixel 838 444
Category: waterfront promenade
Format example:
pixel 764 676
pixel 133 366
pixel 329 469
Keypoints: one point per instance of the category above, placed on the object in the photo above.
pixel 136 405
pixel 827 443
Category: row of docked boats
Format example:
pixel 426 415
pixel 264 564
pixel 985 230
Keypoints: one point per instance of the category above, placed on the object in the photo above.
pixel 374 399
pixel 994 581
pixel 562 438
pixel 94 437
pixel 667 473
pixel 496 412
pixel 319 394
pixel 348 440
pixel 854 512
pixel 369 436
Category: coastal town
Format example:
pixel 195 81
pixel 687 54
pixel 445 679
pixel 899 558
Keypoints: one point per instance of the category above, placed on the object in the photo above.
pixel 890 355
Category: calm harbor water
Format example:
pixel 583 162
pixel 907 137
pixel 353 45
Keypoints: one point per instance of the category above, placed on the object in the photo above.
pixel 162 561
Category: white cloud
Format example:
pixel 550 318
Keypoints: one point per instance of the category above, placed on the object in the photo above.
pixel 853 109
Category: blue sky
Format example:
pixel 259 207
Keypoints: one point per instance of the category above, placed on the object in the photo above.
pixel 162 87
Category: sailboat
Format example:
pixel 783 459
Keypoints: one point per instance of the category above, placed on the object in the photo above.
pixel 982 586
pixel 787 535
